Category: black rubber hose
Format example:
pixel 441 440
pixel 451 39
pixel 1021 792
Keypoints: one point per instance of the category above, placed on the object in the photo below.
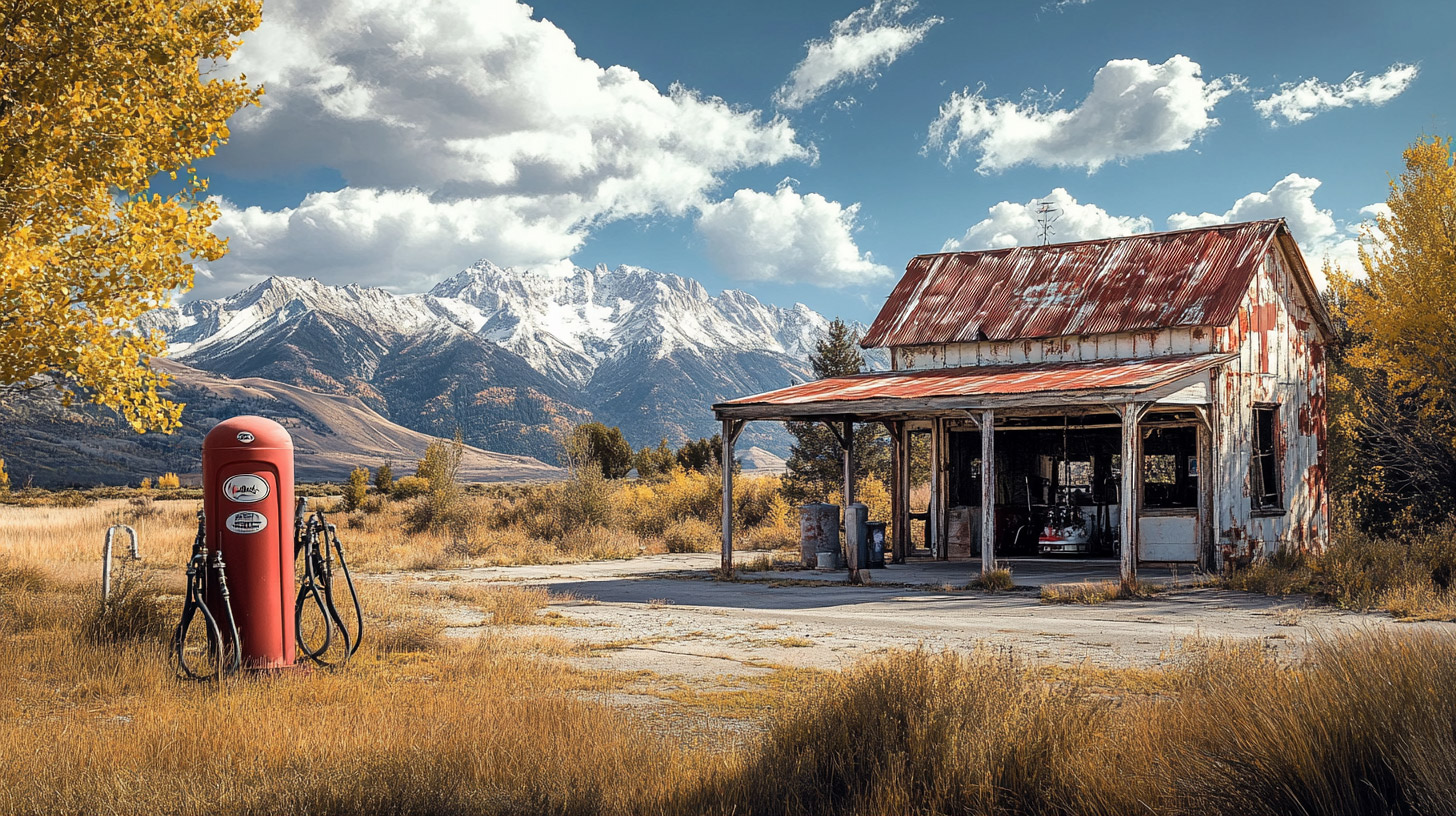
pixel 190 608
pixel 353 593
pixel 309 588
pixel 318 543
pixel 227 608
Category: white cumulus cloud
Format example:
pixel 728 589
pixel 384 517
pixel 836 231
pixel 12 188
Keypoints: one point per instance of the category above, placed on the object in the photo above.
pixel 398 240
pixel 1135 108
pixel 859 45
pixel 1296 102
pixel 1013 224
pixel 473 117
pixel 786 237
pixel 1319 235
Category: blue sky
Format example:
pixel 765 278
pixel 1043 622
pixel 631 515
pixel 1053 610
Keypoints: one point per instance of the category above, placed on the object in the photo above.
pixel 803 152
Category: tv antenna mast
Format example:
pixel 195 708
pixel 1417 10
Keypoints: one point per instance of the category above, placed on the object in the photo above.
pixel 1047 214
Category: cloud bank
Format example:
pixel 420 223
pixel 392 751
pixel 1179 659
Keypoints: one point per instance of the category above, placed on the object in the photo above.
pixel 1320 236
pixel 1136 108
pixel 1012 224
pixel 469 120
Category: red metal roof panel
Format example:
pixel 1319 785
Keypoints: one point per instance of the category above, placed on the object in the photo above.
pixel 979 381
pixel 1140 282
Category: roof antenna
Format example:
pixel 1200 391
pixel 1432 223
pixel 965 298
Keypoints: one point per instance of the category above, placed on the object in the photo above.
pixel 1047 214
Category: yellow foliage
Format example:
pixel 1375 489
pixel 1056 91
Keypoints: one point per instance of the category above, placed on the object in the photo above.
pixel 96 98
pixel 875 496
pixel 356 489
pixel 146 483
pixel 4 478
pixel 1402 310
pixel 168 481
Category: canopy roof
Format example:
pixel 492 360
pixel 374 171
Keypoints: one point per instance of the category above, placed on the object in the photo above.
pixel 1195 277
pixel 976 387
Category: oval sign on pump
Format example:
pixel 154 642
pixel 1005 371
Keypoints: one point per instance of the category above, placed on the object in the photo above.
pixel 245 488
pixel 246 521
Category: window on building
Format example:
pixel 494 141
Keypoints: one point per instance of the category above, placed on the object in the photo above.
pixel 1265 468
pixel 1170 470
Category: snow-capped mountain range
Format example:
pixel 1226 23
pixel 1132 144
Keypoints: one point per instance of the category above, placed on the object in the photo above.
pixel 510 355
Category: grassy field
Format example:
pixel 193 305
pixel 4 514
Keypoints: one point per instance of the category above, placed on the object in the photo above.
pixel 510 720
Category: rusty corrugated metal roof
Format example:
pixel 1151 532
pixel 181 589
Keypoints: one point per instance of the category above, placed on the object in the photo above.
pixel 987 381
pixel 1191 277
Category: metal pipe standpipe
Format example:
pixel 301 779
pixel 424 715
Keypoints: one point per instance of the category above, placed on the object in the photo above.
pixel 247 501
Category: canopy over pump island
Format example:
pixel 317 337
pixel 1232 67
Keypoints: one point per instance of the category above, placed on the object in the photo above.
pixel 1160 397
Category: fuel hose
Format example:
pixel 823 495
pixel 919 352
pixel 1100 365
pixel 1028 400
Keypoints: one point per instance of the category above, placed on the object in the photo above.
pixel 318 543
pixel 222 655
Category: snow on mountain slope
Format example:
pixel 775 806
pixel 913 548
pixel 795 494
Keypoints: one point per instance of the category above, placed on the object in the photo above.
pixel 566 321
pixel 511 355
pixel 211 325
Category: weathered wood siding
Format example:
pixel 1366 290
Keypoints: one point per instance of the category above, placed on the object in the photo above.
pixel 1082 348
pixel 1281 362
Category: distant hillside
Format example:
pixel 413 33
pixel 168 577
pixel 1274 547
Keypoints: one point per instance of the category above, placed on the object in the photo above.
pixel 52 445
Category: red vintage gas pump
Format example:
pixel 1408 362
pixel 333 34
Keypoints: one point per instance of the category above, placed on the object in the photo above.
pixel 247 502
pixel 240 580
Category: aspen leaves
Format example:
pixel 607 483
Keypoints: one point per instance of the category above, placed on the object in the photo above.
pixel 96 99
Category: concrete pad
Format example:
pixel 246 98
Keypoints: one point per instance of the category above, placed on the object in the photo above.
pixel 1026 572
pixel 667 615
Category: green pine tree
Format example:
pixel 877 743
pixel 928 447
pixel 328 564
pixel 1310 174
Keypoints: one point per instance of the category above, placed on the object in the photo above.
pixel 815 467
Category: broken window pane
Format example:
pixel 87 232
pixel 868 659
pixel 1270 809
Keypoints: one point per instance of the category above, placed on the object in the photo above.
pixel 1265 467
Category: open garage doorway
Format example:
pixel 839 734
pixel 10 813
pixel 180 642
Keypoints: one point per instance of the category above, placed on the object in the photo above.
pixel 1058 488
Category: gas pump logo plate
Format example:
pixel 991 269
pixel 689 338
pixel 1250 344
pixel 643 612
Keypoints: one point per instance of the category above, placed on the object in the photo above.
pixel 245 437
pixel 245 488
pixel 246 522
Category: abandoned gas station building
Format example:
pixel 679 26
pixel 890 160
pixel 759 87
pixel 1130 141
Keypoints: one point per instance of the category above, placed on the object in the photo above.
pixel 1159 396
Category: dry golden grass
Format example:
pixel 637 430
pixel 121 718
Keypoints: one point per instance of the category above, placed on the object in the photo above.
pixel 1226 730
pixel 1409 574
pixel 1096 592
pixel 425 723
pixel 413 726
pixel 508 604
pixel 996 580
pixel 755 697
pixel 69 539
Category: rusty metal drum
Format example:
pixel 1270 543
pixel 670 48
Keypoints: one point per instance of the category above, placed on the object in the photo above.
pixel 818 532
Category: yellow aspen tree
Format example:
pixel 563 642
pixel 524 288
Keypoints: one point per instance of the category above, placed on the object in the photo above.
pixel 1393 386
pixel 97 97
pixel 1404 311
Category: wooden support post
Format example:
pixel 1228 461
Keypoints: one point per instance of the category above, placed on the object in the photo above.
pixel 847 448
pixel 731 429
pixel 936 526
pixel 1205 496
pixel 1131 498
pixel 899 490
pixel 988 491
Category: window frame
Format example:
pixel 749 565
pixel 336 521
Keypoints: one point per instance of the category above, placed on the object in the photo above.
pixel 1265 465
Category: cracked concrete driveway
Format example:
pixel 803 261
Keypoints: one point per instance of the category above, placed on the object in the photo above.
pixel 667 615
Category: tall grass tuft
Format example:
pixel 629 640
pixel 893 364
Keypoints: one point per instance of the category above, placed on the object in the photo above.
pixel 135 611
pixel 1412 574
